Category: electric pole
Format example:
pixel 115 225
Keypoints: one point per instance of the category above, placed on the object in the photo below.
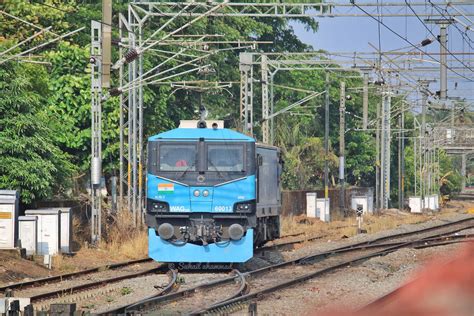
pixel 443 76
pixel 443 54
pixel 365 101
pixel 326 140
pixel 385 152
pixel 342 145
pixel 377 159
pixel 401 160
pixel 106 41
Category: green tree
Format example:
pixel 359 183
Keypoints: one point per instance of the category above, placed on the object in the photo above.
pixel 30 160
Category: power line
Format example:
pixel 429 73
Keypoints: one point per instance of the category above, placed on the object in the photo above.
pixel 406 40
pixel 42 45
pixel 423 23
pixel 26 22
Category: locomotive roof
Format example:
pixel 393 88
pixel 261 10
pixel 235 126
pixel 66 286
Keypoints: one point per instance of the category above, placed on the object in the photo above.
pixel 206 133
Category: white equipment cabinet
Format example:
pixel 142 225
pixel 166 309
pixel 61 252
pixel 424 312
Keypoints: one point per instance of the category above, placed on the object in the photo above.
pixel 49 230
pixel 65 234
pixel 322 207
pixel 311 210
pixel 9 202
pixel 415 203
pixel 28 233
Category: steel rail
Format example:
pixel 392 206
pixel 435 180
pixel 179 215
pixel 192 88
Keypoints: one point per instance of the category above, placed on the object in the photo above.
pixel 94 284
pixel 284 244
pixel 124 309
pixel 66 276
pixel 308 259
pixel 241 291
pixel 423 230
pixel 287 243
pixel 303 278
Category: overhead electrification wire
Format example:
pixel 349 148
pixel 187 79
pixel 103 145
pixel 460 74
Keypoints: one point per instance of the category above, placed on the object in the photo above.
pixel 444 46
pixel 406 40
pixel 26 22
pixel 59 38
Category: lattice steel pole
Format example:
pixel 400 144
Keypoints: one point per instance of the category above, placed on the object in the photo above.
pixel 132 68
pixel 122 24
pixel 265 105
pixel 96 129
pixel 342 145
pixel 378 205
pixel 386 109
pixel 246 93
pixel 272 109
pixel 140 128
pixel 401 162
pixel 326 141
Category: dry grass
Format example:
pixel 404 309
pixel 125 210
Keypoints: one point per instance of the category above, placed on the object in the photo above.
pixel 124 240
pixel 62 264
pixel 348 227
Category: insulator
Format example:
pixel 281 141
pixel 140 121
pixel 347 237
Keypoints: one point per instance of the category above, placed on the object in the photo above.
pixel 131 55
pixel 426 42
pixel 116 41
pixel 115 92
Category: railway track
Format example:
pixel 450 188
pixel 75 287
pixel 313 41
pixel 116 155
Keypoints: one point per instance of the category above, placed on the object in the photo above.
pixel 34 286
pixel 71 284
pixel 71 275
pixel 213 296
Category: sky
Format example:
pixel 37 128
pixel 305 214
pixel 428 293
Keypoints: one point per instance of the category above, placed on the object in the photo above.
pixel 343 34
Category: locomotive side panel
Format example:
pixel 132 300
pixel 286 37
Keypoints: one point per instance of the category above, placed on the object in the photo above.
pixel 268 174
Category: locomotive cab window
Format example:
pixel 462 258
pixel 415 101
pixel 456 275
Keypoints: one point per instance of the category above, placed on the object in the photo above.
pixel 178 157
pixel 225 158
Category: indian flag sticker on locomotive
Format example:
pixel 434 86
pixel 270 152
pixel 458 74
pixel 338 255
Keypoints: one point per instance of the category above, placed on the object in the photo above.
pixel 165 188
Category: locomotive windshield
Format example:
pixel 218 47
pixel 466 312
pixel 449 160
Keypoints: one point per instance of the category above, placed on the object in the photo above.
pixel 225 157
pixel 178 157
pixel 216 161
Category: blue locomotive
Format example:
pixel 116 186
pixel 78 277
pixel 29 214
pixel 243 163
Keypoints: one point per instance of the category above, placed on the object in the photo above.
pixel 213 194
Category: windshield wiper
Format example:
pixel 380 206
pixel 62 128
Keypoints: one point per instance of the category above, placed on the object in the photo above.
pixel 186 171
pixel 214 166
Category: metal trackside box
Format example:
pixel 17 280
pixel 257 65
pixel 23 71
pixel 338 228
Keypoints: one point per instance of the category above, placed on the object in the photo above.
pixel 9 204
pixel 28 233
pixel 49 230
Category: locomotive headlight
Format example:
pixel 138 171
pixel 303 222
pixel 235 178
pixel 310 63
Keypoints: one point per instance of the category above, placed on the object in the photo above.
pixel 244 207
pixel 205 193
pixel 158 207
pixel 196 193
